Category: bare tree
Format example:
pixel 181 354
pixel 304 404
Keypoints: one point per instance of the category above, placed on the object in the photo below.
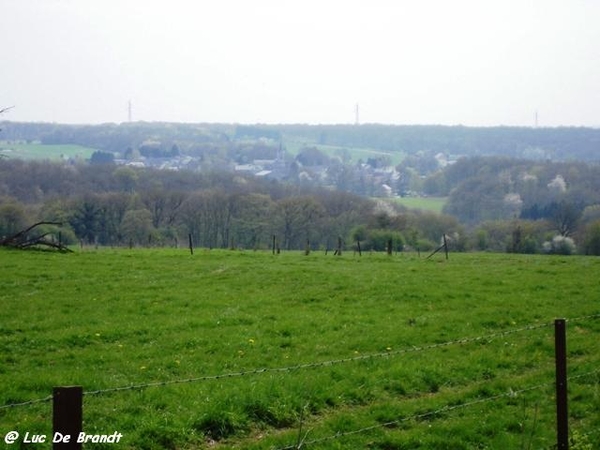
pixel 2 111
pixel 565 217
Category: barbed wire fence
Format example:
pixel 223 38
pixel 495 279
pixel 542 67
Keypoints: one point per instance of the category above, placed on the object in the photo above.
pixel 435 412
pixel 312 365
pixel 302 441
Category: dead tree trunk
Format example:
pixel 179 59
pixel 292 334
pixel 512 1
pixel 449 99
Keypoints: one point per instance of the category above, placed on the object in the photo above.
pixel 24 239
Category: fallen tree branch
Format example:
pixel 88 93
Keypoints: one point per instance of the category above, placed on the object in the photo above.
pixel 21 240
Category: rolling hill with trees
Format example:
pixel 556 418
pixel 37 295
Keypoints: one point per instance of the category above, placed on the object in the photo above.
pixel 229 185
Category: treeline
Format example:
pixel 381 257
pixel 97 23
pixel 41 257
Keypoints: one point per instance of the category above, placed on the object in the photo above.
pixel 117 205
pixel 493 204
pixel 522 205
pixel 557 144
pixel 561 143
pixel 491 188
pixel 118 138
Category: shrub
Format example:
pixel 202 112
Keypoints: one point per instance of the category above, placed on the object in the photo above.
pixel 378 240
pixel 358 233
pixel 530 246
pixel 591 245
pixel 559 245
pixel 425 245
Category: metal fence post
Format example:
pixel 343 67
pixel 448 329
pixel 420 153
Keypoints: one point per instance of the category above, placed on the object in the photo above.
pixel 562 417
pixel 67 417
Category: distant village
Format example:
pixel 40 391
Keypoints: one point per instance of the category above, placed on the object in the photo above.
pixel 362 177
pixel 372 177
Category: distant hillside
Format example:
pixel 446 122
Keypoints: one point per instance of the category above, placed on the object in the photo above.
pixel 557 144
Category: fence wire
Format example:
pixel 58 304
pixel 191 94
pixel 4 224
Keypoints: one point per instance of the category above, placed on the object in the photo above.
pixel 386 354
pixel 328 363
pixel 27 403
pixel 582 318
pixel 510 393
pixel 582 375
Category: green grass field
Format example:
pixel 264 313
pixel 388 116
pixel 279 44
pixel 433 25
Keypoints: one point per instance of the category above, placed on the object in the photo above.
pixel 294 145
pixel 435 204
pixel 42 151
pixel 358 352
pixel 358 153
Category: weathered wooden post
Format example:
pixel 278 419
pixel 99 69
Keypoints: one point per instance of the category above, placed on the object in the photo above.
pixel 562 415
pixel 67 417
pixel 389 247
pixel 358 246
pixel 445 245
pixel 274 244
pixel 516 239
pixel 307 248
pixel 190 243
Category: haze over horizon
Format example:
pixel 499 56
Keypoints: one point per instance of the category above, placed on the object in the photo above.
pixel 432 62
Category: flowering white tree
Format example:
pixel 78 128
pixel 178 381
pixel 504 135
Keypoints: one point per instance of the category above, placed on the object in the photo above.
pixel 558 184
pixel 560 245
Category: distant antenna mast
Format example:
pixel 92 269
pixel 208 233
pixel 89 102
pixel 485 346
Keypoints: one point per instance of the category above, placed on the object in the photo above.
pixel 356 122
pixel 129 111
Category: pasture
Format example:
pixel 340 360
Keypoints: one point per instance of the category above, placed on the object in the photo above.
pixel 354 154
pixel 230 349
pixel 44 152
pixel 435 204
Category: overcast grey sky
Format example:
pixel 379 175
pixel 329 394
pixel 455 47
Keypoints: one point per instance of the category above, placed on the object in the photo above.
pixel 480 63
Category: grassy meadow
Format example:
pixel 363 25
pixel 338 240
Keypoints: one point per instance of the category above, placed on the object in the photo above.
pixel 295 144
pixel 44 152
pixel 361 153
pixel 358 352
pixel 435 204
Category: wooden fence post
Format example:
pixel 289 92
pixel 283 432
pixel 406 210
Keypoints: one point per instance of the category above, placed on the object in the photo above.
pixel 190 242
pixel 67 417
pixel 562 415
pixel 445 245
